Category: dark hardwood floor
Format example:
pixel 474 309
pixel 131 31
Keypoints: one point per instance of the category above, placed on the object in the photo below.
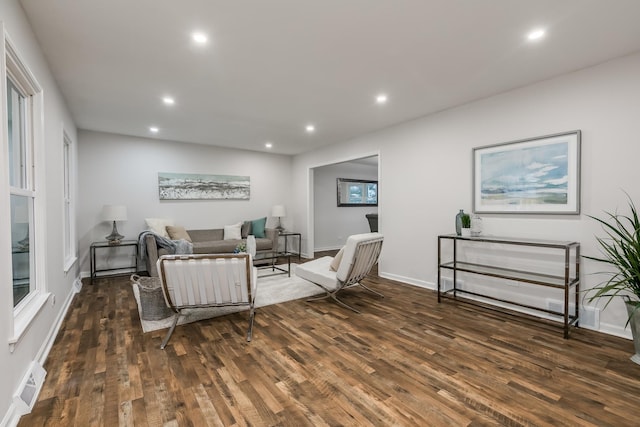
pixel 405 360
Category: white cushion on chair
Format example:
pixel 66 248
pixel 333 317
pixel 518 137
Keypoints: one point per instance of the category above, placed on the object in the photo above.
pixel 337 260
pixel 318 271
pixel 207 280
pixel 350 249
pixel 254 280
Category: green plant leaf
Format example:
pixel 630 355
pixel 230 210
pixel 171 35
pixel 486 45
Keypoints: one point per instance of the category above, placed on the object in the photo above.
pixel 621 250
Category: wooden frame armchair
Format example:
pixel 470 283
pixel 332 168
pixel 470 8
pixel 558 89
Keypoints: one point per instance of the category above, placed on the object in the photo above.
pixel 358 256
pixel 199 281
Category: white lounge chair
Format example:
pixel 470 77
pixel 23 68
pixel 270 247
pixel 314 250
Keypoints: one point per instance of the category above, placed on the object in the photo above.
pixel 199 281
pixel 359 255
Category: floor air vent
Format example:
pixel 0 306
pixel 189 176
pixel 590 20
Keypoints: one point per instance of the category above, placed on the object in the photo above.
pixel 77 286
pixel 29 388
pixel 589 316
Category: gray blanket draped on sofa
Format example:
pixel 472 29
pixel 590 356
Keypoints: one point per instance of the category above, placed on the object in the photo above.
pixel 173 246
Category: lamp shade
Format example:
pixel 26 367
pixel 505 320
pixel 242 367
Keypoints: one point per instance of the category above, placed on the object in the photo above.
pixel 114 213
pixel 278 211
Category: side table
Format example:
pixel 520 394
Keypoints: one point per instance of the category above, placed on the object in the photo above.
pixel 104 244
pixel 286 235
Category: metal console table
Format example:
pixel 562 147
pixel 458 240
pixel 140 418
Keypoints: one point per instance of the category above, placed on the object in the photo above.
pixel 566 281
pixel 286 234
pixel 104 244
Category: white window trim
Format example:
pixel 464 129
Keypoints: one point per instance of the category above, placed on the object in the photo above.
pixel 26 311
pixel 69 228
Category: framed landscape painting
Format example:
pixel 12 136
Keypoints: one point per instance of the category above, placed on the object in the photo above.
pixel 531 176
pixel 186 186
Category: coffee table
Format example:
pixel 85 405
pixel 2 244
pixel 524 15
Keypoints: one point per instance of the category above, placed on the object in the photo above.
pixel 265 260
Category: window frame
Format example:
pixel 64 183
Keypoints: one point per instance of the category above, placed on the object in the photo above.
pixel 13 67
pixel 68 214
pixel 26 151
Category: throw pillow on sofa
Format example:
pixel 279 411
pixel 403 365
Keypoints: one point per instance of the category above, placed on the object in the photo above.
pixel 233 232
pixel 159 225
pixel 257 227
pixel 245 230
pixel 178 233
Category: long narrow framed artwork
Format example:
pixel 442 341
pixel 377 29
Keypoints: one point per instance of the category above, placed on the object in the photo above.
pixel 185 186
pixel 531 176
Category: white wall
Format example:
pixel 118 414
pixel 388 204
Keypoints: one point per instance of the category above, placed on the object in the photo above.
pixel 123 170
pixel 34 344
pixel 334 224
pixel 425 167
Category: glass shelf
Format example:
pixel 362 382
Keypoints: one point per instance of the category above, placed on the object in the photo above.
pixel 559 244
pixel 510 274
pixel 567 282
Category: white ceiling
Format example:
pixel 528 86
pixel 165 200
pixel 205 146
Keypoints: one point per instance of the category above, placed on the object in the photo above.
pixel 272 66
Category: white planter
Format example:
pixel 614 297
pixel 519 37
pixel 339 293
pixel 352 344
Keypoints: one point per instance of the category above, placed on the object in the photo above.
pixel 635 329
pixel 466 232
pixel 251 245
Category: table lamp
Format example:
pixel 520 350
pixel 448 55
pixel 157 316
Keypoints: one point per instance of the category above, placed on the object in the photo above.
pixel 114 213
pixel 279 211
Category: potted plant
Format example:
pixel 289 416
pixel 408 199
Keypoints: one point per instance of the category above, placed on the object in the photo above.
pixel 466 225
pixel 621 250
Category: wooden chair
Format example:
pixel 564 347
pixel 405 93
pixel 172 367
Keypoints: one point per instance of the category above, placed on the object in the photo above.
pixel 351 265
pixel 199 281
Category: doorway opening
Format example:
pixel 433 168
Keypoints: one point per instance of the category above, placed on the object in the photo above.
pixel 330 224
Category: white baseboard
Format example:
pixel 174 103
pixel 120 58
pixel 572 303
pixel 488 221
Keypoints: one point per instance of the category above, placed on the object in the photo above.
pixel 407 280
pixel 12 417
pixel 615 330
pixel 605 328
pixel 43 353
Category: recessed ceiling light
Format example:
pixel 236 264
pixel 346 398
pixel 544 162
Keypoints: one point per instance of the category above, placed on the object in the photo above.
pixel 200 38
pixel 381 99
pixel 168 100
pixel 153 129
pixel 310 128
pixel 268 144
pixel 536 34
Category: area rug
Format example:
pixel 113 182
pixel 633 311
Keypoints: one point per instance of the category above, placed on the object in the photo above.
pixel 271 290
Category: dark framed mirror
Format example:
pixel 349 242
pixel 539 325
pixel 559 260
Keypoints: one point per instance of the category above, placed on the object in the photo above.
pixel 357 192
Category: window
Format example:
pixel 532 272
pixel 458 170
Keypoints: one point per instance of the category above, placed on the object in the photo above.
pixel 357 192
pixel 21 189
pixel 68 214
pixel 23 142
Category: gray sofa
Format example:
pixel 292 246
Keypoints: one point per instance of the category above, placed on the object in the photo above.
pixel 207 242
